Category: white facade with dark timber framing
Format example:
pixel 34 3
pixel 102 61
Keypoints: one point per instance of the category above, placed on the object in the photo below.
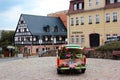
pixel 36 33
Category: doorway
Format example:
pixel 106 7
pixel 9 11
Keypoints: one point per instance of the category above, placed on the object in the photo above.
pixel 94 40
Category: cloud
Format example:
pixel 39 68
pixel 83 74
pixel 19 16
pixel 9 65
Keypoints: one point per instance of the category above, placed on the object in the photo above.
pixel 10 17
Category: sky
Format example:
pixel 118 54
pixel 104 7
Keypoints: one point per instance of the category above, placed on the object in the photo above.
pixel 10 10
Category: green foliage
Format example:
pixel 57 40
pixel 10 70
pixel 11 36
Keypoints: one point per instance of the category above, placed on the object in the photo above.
pixel 109 46
pixel 66 53
pixel 6 38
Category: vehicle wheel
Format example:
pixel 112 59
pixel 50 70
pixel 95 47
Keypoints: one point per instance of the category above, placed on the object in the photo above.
pixel 58 71
pixel 82 70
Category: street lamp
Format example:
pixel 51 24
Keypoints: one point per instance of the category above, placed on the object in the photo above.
pixel 40 42
pixel 66 40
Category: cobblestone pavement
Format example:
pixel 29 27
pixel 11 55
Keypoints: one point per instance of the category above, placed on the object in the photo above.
pixel 44 68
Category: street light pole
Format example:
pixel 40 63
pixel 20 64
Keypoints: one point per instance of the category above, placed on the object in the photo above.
pixel 40 42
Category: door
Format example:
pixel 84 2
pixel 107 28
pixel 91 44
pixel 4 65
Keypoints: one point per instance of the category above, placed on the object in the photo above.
pixel 94 40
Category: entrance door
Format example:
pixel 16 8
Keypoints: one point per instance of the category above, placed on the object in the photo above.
pixel 94 40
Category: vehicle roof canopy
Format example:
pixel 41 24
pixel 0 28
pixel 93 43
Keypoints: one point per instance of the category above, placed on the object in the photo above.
pixel 73 46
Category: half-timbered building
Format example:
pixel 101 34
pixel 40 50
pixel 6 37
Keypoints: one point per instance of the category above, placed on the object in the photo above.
pixel 35 33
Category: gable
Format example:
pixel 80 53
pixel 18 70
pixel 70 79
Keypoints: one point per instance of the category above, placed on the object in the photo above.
pixel 22 28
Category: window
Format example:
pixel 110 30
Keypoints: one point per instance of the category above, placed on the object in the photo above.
pixel 115 35
pixel 118 0
pixel 97 2
pixel 112 1
pixel 37 50
pixel 107 37
pixel 114 16
pixel 77 39
pixel 80 5
pixel 82 39
pixel 77 21
pixel 90 19
pixel 90 3
pixel 25 29
pixel 24 38
pixel 75 6
pixel 16 38
pixel 72 39
pixel 97 19
pixel 72 21
pixel 55 29
pixel 107 17
pixel 34 39
pixel 82 20
pixel 30 38
pixel 22 22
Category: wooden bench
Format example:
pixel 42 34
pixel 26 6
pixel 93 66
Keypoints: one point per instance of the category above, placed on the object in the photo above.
pixel 116 54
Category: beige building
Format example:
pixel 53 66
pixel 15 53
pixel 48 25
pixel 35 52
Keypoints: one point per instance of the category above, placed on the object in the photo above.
pixel 92 22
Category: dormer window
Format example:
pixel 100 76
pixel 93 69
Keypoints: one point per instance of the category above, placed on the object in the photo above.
pixel 46 28
pixel 80 5
pixel 75 6
pixel 56 29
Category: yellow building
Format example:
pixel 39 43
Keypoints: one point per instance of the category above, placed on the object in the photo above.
pixel 92 22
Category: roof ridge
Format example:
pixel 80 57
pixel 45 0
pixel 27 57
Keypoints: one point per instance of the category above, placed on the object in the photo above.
pixel 39 16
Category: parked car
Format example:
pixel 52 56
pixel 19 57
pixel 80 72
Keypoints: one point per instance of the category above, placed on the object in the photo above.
pixel 41 53
pixel 111 39
pixel 71 58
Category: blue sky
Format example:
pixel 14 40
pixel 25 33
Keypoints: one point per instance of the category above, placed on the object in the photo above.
pixel 10 10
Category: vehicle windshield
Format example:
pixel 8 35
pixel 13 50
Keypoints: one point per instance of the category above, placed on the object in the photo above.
pixel 70 53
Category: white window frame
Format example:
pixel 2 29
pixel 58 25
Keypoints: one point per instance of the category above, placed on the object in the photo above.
pixel 80 5
pixel 115 16
pixel 97 2
pixel 107 17
pixel 82 39
pixel 25 39
pixel 72 21
pixel 72 39
pixel 77 21
pixel 90 19
pixel 90 3
pixel 82 20
pixel 75 6
pixel 16 38
pixel 77 40
pixel 115 35
pixel 107 37
pixel 31 38
pixel 97 18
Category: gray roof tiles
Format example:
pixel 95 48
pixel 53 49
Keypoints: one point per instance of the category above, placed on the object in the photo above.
pixel 36 24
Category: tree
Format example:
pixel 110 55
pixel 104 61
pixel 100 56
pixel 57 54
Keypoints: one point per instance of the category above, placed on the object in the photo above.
pixel 7 38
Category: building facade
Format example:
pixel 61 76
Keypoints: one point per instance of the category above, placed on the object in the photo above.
pixel 92 22
pixel 62 15
pixel 39 33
